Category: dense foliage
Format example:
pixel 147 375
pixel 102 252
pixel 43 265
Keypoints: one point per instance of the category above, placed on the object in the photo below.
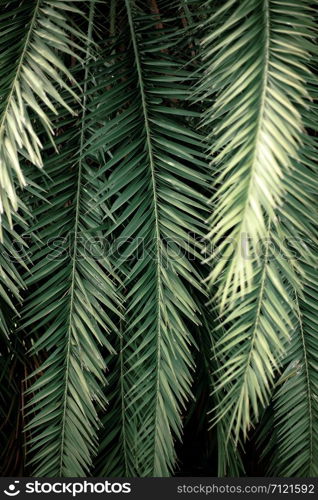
pixel 158 266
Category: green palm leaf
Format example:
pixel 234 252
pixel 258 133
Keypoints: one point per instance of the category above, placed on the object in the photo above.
pixel 32 33
pixel 295 449
pixel 257 126
pixel 13 259
pixel 257 130
pixel 230 462
pixel 71 310
pixel 255 330
pixel 156 166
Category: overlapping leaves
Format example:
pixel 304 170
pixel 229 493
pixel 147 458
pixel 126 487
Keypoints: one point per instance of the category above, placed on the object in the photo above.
pixel 157 170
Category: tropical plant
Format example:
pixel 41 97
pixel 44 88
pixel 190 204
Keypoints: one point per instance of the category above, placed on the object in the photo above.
pixel 158 200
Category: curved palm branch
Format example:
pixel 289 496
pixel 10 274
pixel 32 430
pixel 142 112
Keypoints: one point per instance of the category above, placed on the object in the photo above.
pixel 258 130
pixel 257 126
pixel 32 33
pixel 156 167
pixel 296 398
pixel 71 309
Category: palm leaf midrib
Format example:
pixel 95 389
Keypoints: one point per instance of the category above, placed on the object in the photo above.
pixel 156 211
pixel 262 291
pixel 76 230
pixel 258 130
pixel 261 113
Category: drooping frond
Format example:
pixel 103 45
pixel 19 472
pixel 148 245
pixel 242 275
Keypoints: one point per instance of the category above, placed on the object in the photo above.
pixel 256 126
pixel 71 309
pixel 295 449
pixel 156 167
pixel 253 343
pixel 287 434
pixel 257 132
pixel 33 35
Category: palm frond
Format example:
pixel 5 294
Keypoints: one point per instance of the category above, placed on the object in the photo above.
pixel 257 129
pixel 253 343
pixel 256 126
pixel 295 451
pixel 156 166
pixel 13 259
pixel 70 309
pixel 69 312
pixel 33 36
